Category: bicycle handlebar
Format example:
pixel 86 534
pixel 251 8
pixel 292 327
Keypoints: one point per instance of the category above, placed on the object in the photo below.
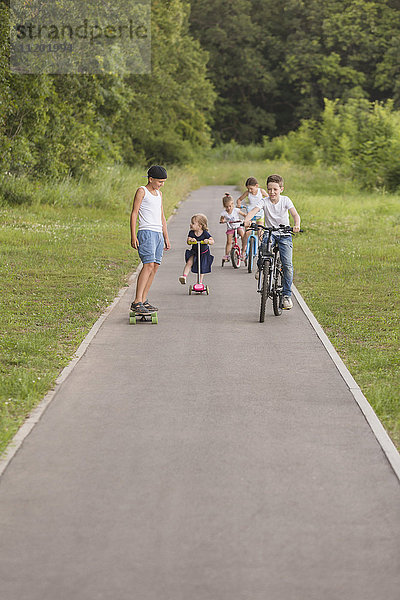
pixel 201 242
pixel 282 228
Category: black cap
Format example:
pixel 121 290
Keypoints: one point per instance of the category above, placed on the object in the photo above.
pixel 157 172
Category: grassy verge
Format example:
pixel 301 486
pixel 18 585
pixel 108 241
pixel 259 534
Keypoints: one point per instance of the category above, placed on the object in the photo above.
pixel 347 269
pixel 67 253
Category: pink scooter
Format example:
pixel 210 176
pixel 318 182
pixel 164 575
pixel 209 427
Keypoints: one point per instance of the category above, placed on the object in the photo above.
pixel 198 287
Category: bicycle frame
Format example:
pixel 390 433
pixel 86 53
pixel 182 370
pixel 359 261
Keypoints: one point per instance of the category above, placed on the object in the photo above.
pixel 252 248
pixel 270 274
pixel 270 257
pixel 235 251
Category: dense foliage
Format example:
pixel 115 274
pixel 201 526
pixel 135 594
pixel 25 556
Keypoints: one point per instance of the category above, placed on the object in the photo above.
pixel 273 63
pixel 222 71
pixel 58 125
pixel 362 138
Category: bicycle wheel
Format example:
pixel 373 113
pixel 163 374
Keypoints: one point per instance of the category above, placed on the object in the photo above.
pixel 235 257
pixel 251 254
pixel 264 290
pixel 277 288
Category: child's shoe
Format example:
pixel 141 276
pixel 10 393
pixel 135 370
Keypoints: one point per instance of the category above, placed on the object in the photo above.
pixel 149 307
pixel 182 279
pixel 139 308
pixel 287 302
pixel 226 257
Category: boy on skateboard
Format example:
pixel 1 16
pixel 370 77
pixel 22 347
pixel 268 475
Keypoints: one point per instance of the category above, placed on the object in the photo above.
pixel 151 237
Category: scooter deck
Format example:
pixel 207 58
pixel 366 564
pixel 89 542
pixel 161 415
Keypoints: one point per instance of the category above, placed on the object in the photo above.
pixel 135 318
pixel 206 290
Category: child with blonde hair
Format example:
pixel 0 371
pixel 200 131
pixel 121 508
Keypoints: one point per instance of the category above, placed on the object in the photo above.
pixel 231 216
pixel 198 233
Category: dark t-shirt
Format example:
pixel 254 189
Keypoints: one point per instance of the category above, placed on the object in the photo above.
pixel 204 236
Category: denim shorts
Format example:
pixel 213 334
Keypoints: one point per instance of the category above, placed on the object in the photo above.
pixel 151 246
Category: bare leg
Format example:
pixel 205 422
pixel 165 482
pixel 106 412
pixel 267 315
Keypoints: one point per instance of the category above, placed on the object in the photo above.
pixel 188 266
pixel 228 243
pixel 244 239
pixel 145 280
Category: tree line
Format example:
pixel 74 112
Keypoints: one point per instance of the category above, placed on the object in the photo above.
pixel 60 125
pixel 221 70
pixel 274 63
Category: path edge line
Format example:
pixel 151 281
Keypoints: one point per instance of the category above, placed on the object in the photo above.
pixel 36 413
pixel 371 417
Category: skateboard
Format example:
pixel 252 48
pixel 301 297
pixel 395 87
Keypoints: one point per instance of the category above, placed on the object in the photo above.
pixel 150 318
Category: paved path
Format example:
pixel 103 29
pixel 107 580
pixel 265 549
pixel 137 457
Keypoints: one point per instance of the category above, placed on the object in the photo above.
pixel 210 457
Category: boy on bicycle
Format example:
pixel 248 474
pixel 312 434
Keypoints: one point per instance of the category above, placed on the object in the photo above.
pixel 276 208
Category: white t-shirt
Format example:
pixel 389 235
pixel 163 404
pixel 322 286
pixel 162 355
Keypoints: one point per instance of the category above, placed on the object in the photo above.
pixel 150 211
pixel 253 201
pixel 254 198
pixel 276 214
pixel 234 216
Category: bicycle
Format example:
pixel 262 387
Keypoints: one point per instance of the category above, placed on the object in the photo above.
pixel 235 250
pixel 270 274
pixel 252 248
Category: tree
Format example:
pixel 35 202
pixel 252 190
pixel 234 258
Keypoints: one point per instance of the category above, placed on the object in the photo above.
pixel 227 30
pixel 274 63
pixel 62 125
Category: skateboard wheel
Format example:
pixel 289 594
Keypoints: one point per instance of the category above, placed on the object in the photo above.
pixel 207 290
pixel 154 319
pixel 132 320
pixel 190 290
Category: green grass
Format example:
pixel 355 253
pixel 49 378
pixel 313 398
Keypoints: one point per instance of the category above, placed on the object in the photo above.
pixel 347 269
pixel 66 253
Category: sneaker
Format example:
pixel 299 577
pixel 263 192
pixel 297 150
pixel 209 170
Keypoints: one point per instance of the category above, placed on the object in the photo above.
pixel 287 302
pixel 149 307
pixel 182 279
pixel 226 257
pixel 139 308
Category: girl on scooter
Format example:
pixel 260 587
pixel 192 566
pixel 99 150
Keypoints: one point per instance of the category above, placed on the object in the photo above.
pixel 198 232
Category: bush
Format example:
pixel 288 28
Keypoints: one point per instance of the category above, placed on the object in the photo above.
pixel 15 191
pixel 361 137
pixel 232 151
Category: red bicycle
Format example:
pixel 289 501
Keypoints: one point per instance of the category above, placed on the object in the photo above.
pixel 235 252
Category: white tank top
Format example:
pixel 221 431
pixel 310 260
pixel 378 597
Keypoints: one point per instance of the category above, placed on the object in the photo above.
pixel 150 211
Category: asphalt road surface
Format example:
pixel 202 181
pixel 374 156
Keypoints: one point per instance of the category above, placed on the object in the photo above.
pixel 209 457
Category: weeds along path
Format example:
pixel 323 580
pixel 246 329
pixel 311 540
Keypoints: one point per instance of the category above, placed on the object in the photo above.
pixel 208 456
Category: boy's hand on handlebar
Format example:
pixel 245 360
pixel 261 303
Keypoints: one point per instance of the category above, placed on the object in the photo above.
pixel 296 228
